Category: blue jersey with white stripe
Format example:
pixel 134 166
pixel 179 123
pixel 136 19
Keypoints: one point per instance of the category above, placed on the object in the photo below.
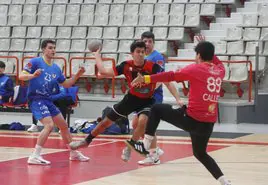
pixel 158 58
pixel 42 86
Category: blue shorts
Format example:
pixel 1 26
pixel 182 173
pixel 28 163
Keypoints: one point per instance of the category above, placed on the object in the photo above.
pixel 158 99
pixel 43 108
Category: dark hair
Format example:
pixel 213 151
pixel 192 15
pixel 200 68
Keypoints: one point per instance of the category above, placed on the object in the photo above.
pixel 137 44
pixel 2 64
pixel 147 34
pixel 45 42
pixel 206 50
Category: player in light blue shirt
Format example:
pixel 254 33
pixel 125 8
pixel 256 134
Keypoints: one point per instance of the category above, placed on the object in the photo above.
pixel 42 75
pixel 158 58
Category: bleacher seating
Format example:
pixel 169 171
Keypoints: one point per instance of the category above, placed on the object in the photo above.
pixel 236 38
pixel 58 19
pixel 25 23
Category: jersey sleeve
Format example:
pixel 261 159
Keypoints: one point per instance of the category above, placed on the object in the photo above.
pixel 157 69
pixel 119 69
pixel 219 64
pixel 185 74
pixel 160 60
pixel 30 67
pixel 61 77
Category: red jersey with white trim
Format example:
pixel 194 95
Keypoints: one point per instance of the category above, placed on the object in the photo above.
pixel 205 84
pixel 130 71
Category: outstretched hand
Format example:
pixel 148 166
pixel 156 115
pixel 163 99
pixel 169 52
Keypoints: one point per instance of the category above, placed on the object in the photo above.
pixel 37 72
pixel 200 38
pixel 180 102
pixel 97 53
pixel 81 71
pixel 138 81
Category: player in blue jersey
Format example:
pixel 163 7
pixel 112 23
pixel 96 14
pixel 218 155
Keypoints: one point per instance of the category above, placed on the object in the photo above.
pixel 139 129
pixel 6 85
pixel 154 56
pixel 42 75
pixel 61 98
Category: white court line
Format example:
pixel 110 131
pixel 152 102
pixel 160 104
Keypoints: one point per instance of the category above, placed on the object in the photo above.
pixel 113 139
pixel 102 143
pixel 26 154
pixel 184 141
pixel 62 150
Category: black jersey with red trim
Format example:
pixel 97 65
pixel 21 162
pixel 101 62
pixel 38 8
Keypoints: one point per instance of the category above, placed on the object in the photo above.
pixel 130 71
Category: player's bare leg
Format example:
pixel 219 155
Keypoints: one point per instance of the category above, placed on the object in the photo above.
pixel 36 157
pixel 100 128
pixel 67 138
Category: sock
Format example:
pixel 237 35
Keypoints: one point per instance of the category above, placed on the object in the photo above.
pixel 152 150
pixel 147 141
pixel 89 138
pixel 223 180
pixel 68 146
pixel 37 150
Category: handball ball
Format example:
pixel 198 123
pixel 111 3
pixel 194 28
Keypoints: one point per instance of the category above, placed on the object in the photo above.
pixel 94 45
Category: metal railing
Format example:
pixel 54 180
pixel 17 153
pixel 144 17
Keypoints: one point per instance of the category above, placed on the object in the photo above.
pixel 96 75
pixel 249 79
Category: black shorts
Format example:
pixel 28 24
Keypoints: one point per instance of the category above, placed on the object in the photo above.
pixel 129 104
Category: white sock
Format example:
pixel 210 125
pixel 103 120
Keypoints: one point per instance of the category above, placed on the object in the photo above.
pixel 147 141
pixel 223 180
pixel 68 146
pixel 37 150
pixel 152 150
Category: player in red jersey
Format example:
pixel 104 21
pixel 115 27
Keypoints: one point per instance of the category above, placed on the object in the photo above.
pixel 205 78
pixel 138 99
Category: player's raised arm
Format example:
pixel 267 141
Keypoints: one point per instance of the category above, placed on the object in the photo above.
pixel 24 76
pixel 29 71
pixel 69 82
pixel 108 72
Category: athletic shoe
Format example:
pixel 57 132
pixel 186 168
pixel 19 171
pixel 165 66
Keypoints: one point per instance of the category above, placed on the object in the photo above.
pixel 224 181
pixel 159 151
pixel 77 156
pixel 74 145
pixel 227 183
pixel 126 153
pixel 33 159
pixel 137 146
pixel 150 160
pixel 33 128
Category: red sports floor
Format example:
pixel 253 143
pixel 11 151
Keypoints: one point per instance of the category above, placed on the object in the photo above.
pixel 104 152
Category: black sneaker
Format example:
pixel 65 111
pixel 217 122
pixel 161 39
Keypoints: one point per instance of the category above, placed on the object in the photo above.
pixel 137 146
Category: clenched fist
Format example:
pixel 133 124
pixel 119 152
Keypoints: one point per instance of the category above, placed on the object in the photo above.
pixel 81 71
pixel 37 73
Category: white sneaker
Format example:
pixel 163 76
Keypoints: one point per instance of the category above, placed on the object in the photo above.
pixel 33 128
pixel 33 159
pixel 126 153
pixel 150 160
pixel 224 181
pixel 159 151
pixel 77 156
pixel 228 183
